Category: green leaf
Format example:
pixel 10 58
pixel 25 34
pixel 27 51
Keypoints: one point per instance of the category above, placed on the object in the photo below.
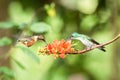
pixel 6 25
pixel 18 63
pixel 29 53
pixel 87 6
pixel 6 71
pixel 22 25
pixel 48 7
pixel 89 22
pixel 40 27
pixel 5 41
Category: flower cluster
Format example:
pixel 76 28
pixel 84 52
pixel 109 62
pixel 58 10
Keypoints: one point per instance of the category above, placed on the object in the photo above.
pixel 58 48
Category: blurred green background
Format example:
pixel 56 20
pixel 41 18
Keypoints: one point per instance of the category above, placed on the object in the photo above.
pixel 57 19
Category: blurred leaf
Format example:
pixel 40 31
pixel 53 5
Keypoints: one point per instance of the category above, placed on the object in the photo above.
pixel 40 27
pixel 69 4
pixel 23 25
pixel 104 16
pixel 29 53
pixel 56 23
pixel 50 9
pixel 18 14
pixel 18 63
pixel 89 22
pixel 6 71
pixel 5 41
pixel 6 25
pixel 87 6
pixel 47 7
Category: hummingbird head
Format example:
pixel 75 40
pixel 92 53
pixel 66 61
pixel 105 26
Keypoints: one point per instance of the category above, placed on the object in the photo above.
pixel 74 35
pixel 25 42
pixel 22 40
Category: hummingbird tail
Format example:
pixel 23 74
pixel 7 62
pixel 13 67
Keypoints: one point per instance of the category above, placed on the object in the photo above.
pixel 102 48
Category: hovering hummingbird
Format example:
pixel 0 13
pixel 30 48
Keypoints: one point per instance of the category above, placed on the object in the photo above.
pixel 87 41
pixel 30 40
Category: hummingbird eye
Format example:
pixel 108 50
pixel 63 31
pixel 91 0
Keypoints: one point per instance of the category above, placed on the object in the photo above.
pixel 18 40
pixel 72 36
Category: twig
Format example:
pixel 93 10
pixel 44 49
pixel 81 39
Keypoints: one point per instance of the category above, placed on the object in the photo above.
pixel 97 46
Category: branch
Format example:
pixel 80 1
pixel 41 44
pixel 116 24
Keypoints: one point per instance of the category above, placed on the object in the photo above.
pixel 97 46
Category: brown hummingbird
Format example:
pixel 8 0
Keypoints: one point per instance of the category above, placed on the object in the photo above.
pixel 31 40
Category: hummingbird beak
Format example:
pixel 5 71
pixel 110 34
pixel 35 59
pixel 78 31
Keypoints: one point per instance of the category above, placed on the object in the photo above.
pixel 44 41
pixel 42 38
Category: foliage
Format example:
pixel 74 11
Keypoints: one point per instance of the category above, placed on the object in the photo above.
pixel 29 53
pixel 5 41
pixel 57 20
pixel 6 73
pixel 40 27
pixel 6 25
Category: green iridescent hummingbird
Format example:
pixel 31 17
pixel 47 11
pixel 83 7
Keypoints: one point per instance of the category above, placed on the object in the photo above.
pixel 87 41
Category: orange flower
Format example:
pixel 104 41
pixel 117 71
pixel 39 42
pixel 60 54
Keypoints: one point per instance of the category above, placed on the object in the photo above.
pixel 58 48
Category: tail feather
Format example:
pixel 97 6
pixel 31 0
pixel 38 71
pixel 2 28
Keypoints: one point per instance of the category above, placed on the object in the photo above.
pixel 102 48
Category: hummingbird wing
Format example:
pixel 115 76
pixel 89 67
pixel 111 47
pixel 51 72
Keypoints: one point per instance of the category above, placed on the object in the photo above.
pixel 92 40
pixel 24 38
pixel 102 47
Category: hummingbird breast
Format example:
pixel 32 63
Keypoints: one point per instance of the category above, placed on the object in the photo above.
pixel 88 43
pixel 28 43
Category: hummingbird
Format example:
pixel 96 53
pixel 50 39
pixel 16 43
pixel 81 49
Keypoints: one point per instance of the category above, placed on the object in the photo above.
pixel 87 41
pixel 31 40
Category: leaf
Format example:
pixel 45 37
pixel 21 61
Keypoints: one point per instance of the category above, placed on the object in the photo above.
pixel 5 41
pixel 6 71
pixel 40 27
pixel 6 25
pixel 50 9
pixel 22 25
pixel 87 6
pixel 89 22
pixel 29 53
pixel 18 63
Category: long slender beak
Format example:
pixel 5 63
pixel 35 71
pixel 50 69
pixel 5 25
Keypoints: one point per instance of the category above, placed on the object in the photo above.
pixel 44 41
pixel 41 37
